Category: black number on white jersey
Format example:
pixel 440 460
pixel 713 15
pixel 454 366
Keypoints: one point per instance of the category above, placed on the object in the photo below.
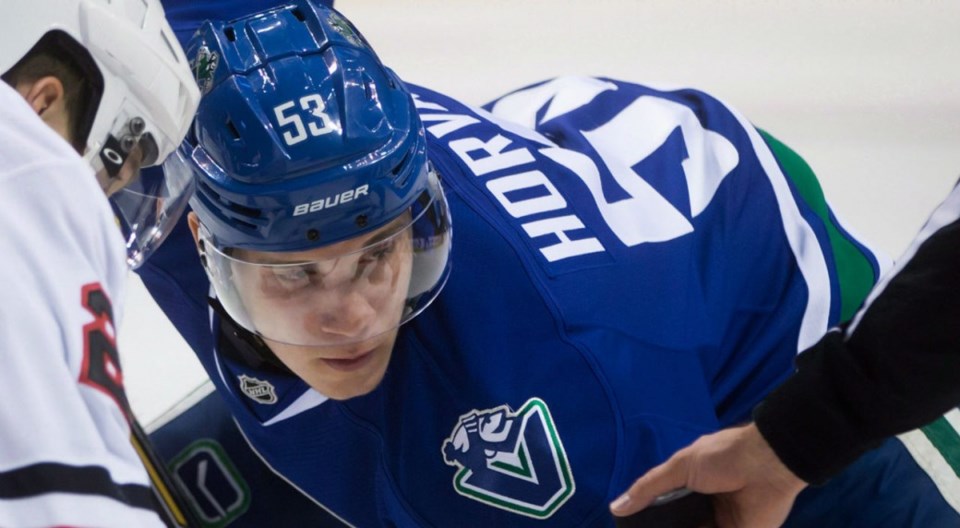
pixel 101 360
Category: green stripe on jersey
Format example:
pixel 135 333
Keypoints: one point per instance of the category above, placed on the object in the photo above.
pixel 945 438
pixel 938 458
pixel 853 267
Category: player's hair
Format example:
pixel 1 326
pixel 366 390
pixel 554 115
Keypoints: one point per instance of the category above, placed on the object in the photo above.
pixel 56 54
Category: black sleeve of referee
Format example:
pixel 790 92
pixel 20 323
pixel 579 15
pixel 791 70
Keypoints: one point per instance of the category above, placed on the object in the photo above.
pixel 898 370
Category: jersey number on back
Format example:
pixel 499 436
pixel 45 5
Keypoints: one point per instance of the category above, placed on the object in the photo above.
pixel 647 131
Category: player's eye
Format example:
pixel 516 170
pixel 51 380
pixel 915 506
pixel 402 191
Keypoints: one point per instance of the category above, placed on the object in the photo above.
pixel 373 258
pixel 288 278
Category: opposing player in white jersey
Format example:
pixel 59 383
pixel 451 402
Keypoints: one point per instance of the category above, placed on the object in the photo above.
pixel 88 84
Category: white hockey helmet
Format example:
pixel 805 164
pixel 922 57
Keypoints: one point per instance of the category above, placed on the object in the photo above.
pixel 148 96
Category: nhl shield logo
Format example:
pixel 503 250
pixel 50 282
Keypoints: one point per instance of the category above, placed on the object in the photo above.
pixel 258 390
pixel 511 460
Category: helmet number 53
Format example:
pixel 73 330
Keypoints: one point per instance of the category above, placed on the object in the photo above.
pixel 312 110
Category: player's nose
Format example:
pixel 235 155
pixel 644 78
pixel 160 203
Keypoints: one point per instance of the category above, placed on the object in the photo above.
pixel 342 315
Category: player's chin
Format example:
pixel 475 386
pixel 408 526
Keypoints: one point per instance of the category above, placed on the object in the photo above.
pixel 342 380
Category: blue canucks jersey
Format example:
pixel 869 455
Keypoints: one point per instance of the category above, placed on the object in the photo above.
pixel 631 268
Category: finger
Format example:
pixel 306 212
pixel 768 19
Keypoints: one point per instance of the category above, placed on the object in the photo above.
pixel 664 478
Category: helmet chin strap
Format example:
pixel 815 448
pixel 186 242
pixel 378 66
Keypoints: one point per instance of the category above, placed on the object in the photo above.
pixel 239 344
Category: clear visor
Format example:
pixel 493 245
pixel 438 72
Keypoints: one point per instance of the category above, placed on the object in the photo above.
pixel 148 208
pixel 339 294
pixel 148 203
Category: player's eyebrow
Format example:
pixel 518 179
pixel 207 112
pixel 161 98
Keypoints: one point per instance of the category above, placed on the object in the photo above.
pixel 387 231
pixel 392 228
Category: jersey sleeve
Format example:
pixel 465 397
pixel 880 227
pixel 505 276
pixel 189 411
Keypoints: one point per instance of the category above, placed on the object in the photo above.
pixel 66 458
pixel 895 367
pixel 854 267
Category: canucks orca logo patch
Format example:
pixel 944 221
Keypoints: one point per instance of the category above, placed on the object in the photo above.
pixel 511 460
pixel 343 27
pixel 204 65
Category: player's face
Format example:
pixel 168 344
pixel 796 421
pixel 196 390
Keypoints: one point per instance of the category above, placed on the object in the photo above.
pixel 349 296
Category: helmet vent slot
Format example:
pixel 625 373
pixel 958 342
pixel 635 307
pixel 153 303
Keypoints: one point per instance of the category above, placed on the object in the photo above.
pixel 247 225
pixel 230 33
pixel 170 48
pixel 399 166
pixel 233 129
pixel 298 14
pixel 398 169
pixel 249 212
pixel 210 196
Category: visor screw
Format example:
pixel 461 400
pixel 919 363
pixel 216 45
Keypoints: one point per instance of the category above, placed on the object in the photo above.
pixel 127 143
pixel 137 125
pixel 362 221
pixel 313 234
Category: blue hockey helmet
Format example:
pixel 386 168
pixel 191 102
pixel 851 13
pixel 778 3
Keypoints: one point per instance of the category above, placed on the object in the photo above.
pixel 304 140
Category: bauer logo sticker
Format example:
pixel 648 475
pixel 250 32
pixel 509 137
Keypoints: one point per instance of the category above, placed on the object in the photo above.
pixel 258 390
pixel 514 461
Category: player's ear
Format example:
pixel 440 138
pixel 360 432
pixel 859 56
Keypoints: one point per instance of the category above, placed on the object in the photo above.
pixel 193 221
pixel 47 97
pixel 42 94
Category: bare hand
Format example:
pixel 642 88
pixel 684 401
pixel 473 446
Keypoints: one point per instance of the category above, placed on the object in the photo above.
pixel 751 487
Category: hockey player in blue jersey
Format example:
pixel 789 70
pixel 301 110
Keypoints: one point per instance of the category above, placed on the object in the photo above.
pixel 632 268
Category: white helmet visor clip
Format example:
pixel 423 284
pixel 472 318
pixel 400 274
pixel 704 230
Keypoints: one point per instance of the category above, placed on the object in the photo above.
pixel 147 203
pixel 122 154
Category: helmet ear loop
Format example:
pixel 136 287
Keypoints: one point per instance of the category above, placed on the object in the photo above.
pixel 203 238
